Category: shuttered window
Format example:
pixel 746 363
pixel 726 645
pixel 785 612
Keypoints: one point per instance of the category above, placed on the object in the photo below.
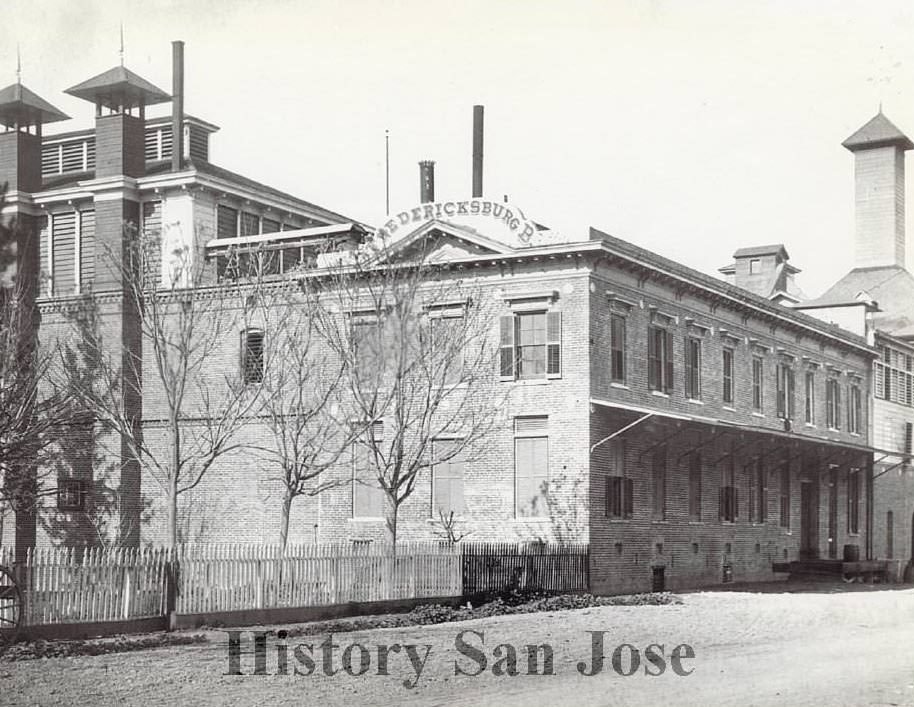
pixel 833 404
pixel 530 345
pixel 64 240
pixel 785 391
pixel 758 493
pixel 531 466
pixel 660 359
pixel 619 488
pixel 447 479
pixel 86 250
pixel 152 243
pixel 44 255
pixel 226 222
pixel 252 356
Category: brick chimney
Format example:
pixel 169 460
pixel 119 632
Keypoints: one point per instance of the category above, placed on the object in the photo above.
pixel 879 232
pixel 426 181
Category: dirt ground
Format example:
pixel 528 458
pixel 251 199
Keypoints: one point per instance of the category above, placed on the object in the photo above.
pixel 750 648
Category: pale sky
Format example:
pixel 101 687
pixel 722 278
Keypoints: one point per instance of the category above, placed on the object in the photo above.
pixel 691 128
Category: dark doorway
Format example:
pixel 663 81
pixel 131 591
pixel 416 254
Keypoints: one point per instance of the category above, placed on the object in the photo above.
pixel 808 521
pixel 833 513
pixel 658 580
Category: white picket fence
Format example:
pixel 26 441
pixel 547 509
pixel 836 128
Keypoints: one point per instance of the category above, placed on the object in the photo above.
pixel 64 585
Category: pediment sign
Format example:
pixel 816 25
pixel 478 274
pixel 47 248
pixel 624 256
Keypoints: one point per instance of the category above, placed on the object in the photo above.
pixel 502 221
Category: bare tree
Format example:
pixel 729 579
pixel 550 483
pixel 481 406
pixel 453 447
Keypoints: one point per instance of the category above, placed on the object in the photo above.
pixel 301 396
pixel 418 347
pixel 170 404
pixel 32 410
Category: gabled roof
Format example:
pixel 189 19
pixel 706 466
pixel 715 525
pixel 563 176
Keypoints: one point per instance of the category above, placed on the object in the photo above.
pixel 878 132
pixel 891 286
pixel 119 81
pixel 19 104
pixel 758 250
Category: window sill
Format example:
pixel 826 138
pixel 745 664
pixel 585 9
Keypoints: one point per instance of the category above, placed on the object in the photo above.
pixel 528 381
pixel 810 425
pixel 367 519
pixel 532 519
pixel 660 522
pixel 728 408
pixel 621 386
pixel 695 401
pixel 758 414
pixel 619 520
pixel 660 394
pixel 697 522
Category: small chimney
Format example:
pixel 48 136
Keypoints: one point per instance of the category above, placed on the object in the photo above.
pixel 426 181
pixel 177 105
pixel 477 150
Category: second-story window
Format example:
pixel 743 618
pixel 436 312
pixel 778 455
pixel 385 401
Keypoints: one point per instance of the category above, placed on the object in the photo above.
pixel 660 359
pixel 757 382
pixel 728 395
pixel 252 356
pixel 833 404
pixel 531 345
pixel 810 398
pixel 226 222
pixel 785 387
pixel 617 348
pixel 693 368
pixel 854 410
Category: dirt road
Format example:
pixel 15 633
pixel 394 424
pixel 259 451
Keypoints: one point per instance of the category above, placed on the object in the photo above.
pixel 751 649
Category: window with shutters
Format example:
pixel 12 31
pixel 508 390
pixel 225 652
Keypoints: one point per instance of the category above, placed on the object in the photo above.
pixel 785 495
pixel 854 410
pixel 617 348
pixel 909 442
pixel 368 497
pixel 695 486
pixel 729 393
pixel 530 345
pixel 785 391
pixel 693 368
pixel 64 252
pixel 658 484
pixel 226 222
pixel 660 359
pixel 853 501
pixel 757 383
pixel 447 478
pixel 729 494
pixel 894 376
pixel 809 398
pixel 833 404
pixel 152 242
pixel 86 249
pixel 252 355
pixel 531 466
pixel 619 488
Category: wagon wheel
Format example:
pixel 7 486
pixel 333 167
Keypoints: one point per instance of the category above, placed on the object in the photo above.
pixel 10 608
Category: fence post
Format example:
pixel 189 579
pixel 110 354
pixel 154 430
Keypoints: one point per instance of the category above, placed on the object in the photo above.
pixel 172 567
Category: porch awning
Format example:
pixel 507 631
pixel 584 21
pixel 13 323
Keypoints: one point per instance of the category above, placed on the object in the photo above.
pixel 724 425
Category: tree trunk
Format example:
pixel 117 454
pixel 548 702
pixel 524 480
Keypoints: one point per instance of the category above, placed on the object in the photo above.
pixel 173 514
pixel 173 482
pixel 392 513
pixel 284 519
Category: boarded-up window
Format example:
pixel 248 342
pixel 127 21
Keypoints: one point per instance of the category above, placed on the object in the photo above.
pixel 447 478
pixel 531 466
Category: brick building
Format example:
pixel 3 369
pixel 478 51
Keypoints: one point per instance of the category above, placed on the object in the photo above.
pixel 876 300
pixel 686 428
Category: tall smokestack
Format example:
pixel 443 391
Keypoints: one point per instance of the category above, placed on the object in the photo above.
pixel 426 181
pixel 477 151
pixel 177 105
